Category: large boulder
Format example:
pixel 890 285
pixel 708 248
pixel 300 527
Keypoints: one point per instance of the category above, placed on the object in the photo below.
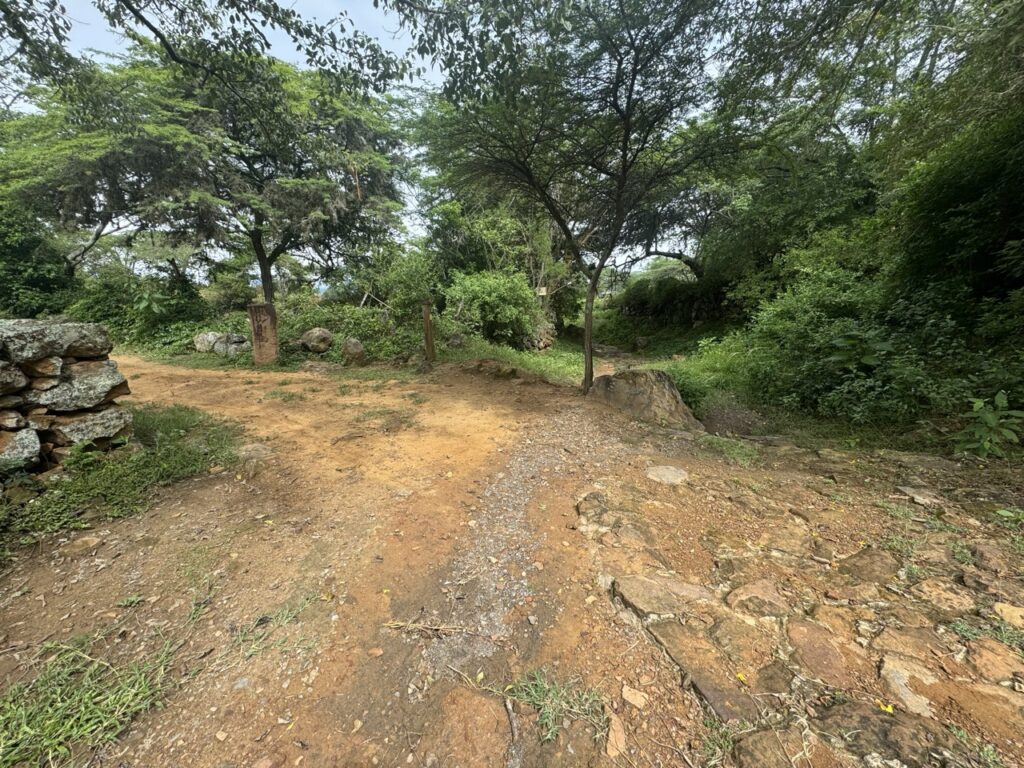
pixel 203 342
pixel 92 427
pixel 646 396
pixel 84 385
pixel 11 378
pixel 231 344
pixel 317 340
pixel 18 449
pixel 353 352
pixel 24 341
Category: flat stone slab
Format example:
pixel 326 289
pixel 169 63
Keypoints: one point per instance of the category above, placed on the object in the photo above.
pixel 758 598
pixel 710 676
pixel 872 565
pixel 667 475
pixel 23 341
pixel 865 729
pixel 659 596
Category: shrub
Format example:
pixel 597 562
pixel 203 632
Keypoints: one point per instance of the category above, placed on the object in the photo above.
pixel 33 275
pixel 382 337
pixel 500 306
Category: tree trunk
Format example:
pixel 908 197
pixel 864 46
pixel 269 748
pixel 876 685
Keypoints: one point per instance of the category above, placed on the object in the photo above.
pixel 588 332
pixel 263 317
pixel 266 278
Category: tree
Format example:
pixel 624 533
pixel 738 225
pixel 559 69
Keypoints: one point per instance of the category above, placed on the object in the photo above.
pixel 304 169
pixel 124 167
pixel 592 123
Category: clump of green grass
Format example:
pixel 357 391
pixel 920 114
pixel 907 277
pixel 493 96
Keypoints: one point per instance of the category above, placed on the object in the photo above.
pixel 718 742
pixel 284 395
pixel 985 755
pixel 1017 544
pixel 900 544
pixel 966 630
pixel 382 373
pixel 75 703
pixel 415 397
pixel 896 511
pixel 254 638
pixel 737 451
pixel 961 553
pixel 556 702
pixel 171 443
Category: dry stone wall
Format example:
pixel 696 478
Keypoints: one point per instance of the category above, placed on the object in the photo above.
pixel 57 389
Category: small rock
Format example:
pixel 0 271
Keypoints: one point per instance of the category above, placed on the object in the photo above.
pixel 373 653
pixel 1011 614
pixel 993 661
pixel 770 749
pixel 659 595
pixel 353 352
pixel 19 449
pixel 221 735
pixel 922 496
pixel 667 475
pixel 645 395
pixel 12 420
pixel 901 675
pixel 906 737
pixel 616 743
pixel 82 545
pixel 637 698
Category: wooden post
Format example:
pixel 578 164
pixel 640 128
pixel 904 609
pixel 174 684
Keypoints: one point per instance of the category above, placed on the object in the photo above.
pixel 428 332
pixel 263 321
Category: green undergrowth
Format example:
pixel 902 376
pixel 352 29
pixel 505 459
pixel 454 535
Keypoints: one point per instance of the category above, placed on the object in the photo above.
pixel 561 364
pixel 77 702
pixel 170 443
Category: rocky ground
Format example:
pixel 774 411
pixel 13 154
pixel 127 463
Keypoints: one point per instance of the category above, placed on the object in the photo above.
pixel 391 555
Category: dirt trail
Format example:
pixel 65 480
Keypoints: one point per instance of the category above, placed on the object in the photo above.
pixel 389 550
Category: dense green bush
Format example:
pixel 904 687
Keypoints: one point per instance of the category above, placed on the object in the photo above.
pixel 34 279
pixel 500 306
pixel 144 311
pixel 382 337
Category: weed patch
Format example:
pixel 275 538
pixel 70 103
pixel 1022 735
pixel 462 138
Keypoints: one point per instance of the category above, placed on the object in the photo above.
pixel 75 703
pixel 736 451
pixel 556 702
pixel 171 443
pixel 284 395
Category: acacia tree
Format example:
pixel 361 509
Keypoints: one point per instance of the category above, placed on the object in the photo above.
pixel 305 168
pixel 593 121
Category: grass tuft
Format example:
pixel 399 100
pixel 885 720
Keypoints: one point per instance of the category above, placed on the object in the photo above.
pixel 171 443
pixel 556 703
pixel 76 702
pixel 737 451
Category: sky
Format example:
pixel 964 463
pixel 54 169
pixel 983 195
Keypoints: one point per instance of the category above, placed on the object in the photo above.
pixel 90 31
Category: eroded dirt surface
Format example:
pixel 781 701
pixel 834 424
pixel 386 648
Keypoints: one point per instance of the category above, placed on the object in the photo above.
pixel 389 555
